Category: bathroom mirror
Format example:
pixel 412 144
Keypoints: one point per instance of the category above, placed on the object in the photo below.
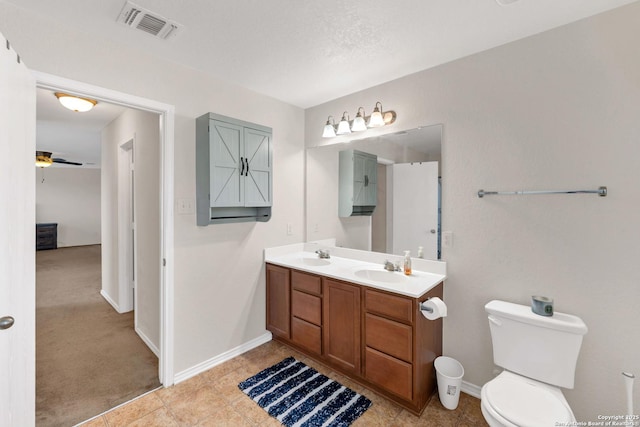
pixel 407 212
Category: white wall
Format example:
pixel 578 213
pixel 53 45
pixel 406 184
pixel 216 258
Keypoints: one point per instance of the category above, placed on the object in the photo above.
pixel 143 128
pixel 71 198
pixel 558 110
pixel 219 271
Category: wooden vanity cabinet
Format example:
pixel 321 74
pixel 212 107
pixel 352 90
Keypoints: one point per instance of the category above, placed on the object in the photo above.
pixel 342 325
pixel 279 301
pixel 306 311
pixel 377 338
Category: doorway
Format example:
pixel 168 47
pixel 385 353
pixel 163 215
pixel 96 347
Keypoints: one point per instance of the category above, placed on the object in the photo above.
pixel 165 156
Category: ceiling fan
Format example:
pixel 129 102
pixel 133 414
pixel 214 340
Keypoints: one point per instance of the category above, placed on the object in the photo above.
pixel 44 159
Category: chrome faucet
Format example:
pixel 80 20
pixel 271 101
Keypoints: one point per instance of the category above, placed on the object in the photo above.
pixel 390 266
pixel 323 253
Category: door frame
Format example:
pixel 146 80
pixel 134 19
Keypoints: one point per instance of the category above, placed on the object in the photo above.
pixel 167 126
pixel 127 272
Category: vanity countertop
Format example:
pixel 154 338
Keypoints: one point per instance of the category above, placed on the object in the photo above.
pixel 361 267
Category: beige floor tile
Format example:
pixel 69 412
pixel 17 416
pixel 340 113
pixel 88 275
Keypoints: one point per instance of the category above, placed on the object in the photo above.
pixel 225 417
pixel 180 390
pixel 159 417
pixel 228 385
pixel 134 410
pixel 194 407
pixel 214 399
pixel 406 419
pixel 251 411
pixel 221 370
pixel 385 409
pixel 96 422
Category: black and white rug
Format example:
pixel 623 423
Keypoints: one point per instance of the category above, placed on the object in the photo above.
pixel 298 395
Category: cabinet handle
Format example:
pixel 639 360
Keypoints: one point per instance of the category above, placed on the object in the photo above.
pixel 366 180
pixel 246 171
pixel 241 166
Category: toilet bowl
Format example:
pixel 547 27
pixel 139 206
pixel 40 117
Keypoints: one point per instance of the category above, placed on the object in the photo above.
pixel 512 400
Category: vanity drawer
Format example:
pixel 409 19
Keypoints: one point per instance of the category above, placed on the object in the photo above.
pixel 306 335
pixel 392 306
pixel 306 307
pixel 389 373
pixel 389 337
pixel 306 282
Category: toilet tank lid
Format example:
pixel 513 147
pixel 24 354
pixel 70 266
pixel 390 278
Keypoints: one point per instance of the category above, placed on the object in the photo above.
pixel 522 313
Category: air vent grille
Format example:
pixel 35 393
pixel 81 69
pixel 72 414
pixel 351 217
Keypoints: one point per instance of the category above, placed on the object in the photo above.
pixel 139 18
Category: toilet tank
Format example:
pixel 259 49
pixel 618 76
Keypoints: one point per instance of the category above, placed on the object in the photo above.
pixel 544 348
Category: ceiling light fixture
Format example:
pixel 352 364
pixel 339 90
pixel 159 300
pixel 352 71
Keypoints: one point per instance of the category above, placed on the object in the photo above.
pixel 43 159
pixel 75 103
pixel 377 119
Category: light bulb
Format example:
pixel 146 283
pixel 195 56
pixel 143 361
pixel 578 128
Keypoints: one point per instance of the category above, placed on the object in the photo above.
pixel 343 126
pixel 376 120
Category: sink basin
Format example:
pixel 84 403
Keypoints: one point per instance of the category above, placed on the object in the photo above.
pixel 380 276
pixel 315 262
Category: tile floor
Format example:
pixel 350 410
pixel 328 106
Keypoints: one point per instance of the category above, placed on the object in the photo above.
pixel 213 399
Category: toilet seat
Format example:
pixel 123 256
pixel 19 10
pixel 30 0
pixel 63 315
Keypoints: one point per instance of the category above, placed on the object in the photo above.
pixel 523 402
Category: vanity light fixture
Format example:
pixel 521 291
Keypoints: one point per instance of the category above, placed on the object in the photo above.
pixel 329 128
pixel 75 103
pixel 358 123
pixel 361 122
pixel 376 121
pixel 343 126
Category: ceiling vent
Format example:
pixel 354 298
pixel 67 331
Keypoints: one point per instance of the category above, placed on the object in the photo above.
pixel 142 19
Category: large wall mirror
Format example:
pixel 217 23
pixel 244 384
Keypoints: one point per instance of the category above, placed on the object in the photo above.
pixel 407 214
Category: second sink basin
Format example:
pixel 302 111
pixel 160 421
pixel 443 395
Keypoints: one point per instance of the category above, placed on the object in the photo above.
pixel 380 276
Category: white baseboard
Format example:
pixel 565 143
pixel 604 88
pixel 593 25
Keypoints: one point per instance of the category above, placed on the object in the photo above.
pixel 471 389
pixel 148 342
pixel 109 300
pixel 221 358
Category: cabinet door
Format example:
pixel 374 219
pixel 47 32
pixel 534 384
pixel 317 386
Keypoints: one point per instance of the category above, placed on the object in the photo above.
pixel 257 153
pixel 279 301
pixel 225 150
pixel 365 172
pixel 341 324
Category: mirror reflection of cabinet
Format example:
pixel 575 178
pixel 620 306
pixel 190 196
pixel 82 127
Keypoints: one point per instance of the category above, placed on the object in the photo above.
pixel 358 178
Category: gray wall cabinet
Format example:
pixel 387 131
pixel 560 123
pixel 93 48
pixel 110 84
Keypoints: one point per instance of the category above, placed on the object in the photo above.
pixel 358 183
pixel 233 170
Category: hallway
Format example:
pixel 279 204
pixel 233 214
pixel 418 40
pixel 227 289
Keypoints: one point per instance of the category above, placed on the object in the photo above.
pixel 88 357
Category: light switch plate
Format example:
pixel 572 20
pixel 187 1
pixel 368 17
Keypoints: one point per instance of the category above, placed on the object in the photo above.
pixel 185 206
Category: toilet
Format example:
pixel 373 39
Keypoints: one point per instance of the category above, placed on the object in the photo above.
pixel 539 355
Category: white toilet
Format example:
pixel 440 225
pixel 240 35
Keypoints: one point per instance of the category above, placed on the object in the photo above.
pixel 539 355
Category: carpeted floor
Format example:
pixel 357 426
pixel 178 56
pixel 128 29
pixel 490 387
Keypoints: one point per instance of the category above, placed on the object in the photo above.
pixel 88 357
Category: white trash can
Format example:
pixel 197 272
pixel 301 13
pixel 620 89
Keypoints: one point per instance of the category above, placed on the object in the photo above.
pixel 449 373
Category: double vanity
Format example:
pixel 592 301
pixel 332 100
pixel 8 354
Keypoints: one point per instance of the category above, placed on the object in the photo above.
pixel 348 312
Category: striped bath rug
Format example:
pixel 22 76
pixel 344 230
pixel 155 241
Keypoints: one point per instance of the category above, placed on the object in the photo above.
pixel 298 395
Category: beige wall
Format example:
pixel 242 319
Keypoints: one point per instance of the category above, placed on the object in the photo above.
pixel 219 273
pixel 558 110
pixel 70 197
pixel 143 129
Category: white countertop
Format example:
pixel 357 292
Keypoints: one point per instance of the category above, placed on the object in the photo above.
pixel 361 267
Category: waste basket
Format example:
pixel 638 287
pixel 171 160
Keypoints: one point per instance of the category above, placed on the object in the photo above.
pixel 449 373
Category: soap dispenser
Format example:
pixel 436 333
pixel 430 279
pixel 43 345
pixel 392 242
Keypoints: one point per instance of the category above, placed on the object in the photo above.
pixel 407 263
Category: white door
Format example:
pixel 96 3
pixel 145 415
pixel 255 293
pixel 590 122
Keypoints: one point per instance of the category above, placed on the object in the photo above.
pixel 415 208
pixel 17 240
